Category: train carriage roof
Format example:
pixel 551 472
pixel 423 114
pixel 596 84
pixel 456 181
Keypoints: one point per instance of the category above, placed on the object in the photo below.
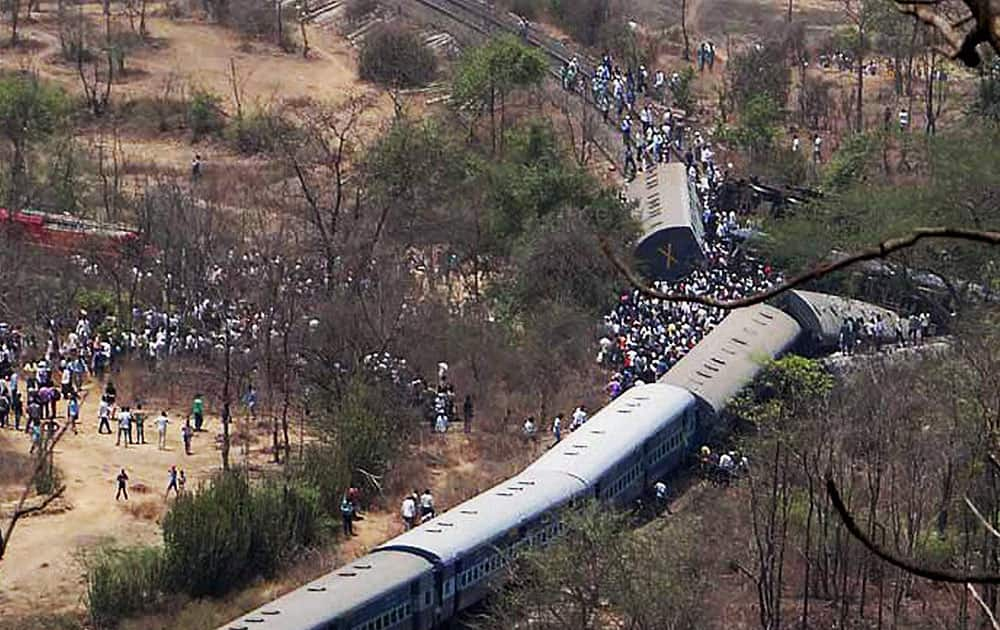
pixel 615 431
pixel 481 519
pixel 730 356
pixel 315 605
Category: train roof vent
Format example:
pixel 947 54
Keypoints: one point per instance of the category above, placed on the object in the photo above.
pixel 739 341
pixel 526 483
pixel 254 620
pixel 516 488
pixel 702 374
pixel 624 411
pixel 766 315
pixel 571 453
pixel 272 612
pixel 641 397
pixel 717 360
pixel 362 566
pixel 712 368
pixel 598 431
pixel 443 524
pixel 239 627
pixel 316 589
pixel 505 494
pixel 347 574
pixel 470 512
pixel 580 446
pixel 433 530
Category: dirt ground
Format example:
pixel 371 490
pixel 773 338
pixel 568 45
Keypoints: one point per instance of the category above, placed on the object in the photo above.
pixel 41 569
pixel 194 54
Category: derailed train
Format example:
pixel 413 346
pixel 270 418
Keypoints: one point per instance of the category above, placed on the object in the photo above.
pixel 424 577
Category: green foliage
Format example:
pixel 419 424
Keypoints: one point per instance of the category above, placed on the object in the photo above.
pixel 30 110
pixel 366 421
pixel 851 161
pixel 683 91
pixel 600 569
pixel 535 181
pixel 396 56
pixel 494 69
pixel 97 302
pixel 325 467
pixel 231 531
pixel 785 388
pixel 760 117
pixel 122 581
pixel 258 132
pixel 759 72
pixel 987 103
pixel 205 116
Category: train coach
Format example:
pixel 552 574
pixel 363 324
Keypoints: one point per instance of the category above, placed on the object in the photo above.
pixel 426 576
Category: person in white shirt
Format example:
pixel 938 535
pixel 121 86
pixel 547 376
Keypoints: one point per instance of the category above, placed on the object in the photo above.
pixel 579 417
pixel 161 429
pixel 427 505
pixel 529 427
pixel 409 512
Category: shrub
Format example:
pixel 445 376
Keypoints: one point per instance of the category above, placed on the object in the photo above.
pixel 394 55
pixel 230 532
pixel 357 10
pixel 122 581
pixel 258 132
pixel 205 116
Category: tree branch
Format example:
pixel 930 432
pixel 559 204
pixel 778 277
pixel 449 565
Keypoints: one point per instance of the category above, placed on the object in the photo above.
pixel 986 609
pixel 909 566
pixel 882 250
pixel 20 510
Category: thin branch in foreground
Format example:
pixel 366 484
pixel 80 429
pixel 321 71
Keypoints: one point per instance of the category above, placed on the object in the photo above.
pixel 20 511
pixel 986 609
pixel 982 519
pixel 881 250
pixel 909 566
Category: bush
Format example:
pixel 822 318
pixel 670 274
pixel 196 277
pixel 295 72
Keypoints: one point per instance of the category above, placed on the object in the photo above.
pixel 122 581
pixel 394 55
pixel 258 132
pixel 205 115
pixel 231 532
pixel 357 10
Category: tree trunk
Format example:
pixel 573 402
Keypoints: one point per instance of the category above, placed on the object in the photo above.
pixel 684 30
pixel 859 92
pixel 15 12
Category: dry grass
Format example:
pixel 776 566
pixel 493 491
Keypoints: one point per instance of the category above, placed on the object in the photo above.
pixel 146 510
pixel 15 468
pixel 206 614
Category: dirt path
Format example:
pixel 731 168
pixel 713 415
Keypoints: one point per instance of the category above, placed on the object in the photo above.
pixel 41 570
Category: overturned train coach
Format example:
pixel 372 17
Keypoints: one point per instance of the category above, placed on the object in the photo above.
pixel 424 577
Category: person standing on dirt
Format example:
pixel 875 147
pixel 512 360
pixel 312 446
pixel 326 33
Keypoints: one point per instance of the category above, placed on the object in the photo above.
pixel 196 168
pixel 34 413
pixel 138 419
pixel 73 411
pixel 347 515
pixel 427 511
pixel 4 409
pixel 198 412
pixel 122 479
pixel 161 430
pixel 124 427
pixel 17 408
pixel 172 481
pixel 409 512
pixel 104 415
pixel 110 393
pixel 186 436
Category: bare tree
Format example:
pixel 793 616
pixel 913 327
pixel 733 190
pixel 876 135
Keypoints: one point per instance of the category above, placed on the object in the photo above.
pixel 961 31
